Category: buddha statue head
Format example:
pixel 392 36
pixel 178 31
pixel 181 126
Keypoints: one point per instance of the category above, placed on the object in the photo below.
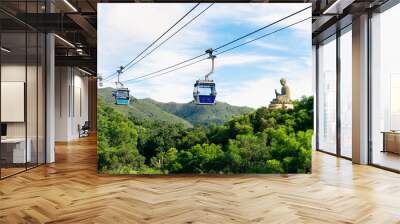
pixel 283 81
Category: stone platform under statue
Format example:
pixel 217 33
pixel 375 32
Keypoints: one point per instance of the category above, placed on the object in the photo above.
pixel 282 100
pixel 280 106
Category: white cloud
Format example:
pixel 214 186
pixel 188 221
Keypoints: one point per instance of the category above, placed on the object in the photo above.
pixel 257 93
pixel 137 22
pixel 133 26
pixel 264 44
pixel 261 14
pixel 175 86
pixel 127 29
pixel 244 59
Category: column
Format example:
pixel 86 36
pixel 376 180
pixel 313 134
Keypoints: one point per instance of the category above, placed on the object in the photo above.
pixel 360 90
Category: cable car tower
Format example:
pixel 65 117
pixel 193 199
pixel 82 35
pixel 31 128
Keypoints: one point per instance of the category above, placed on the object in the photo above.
pixel 204 92
pixel 100 80
pixel 120 94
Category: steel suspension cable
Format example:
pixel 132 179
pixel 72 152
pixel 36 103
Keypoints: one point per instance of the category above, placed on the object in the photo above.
pixel 155 48
pixel 262 28
pixel 155 41
pixel 148 76
pixel 224 45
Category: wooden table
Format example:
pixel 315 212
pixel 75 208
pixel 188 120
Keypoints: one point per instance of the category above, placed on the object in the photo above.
pixel 391 141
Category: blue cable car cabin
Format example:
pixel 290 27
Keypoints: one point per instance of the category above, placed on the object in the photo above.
pixel 121 96
pixel 204 92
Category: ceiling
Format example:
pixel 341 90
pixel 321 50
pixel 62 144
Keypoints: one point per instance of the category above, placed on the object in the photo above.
pixel 331 15
pixel 75 22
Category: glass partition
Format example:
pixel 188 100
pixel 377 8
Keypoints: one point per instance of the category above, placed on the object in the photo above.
pixel 327 95
pixel 14 153
pixel 31 97
pixel 385 89
pixel 22 101
pixel 35 88
pixel 41 97
pixel 346 93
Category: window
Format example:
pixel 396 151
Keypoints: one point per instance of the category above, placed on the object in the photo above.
pixel 15 147
pixel 205 90
pixel 346 93
pixel 23 77
pixel 327 95
pixel 123 94
pixel 385 89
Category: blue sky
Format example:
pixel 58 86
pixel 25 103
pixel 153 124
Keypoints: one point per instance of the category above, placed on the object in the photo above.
pixel 246 76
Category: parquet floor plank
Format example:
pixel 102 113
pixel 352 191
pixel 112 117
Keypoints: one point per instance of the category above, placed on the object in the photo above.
pixel 71 191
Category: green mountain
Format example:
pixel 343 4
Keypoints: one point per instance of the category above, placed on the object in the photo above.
pixel 141 110
pixel 188 114
pixel 201 114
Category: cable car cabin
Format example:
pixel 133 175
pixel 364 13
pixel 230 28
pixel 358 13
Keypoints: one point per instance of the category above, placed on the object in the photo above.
pixel 121 96
pixel 204 92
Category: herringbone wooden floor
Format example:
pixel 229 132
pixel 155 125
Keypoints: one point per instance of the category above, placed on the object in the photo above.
pixel 70 191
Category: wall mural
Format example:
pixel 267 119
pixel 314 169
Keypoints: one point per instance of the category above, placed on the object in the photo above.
pixel 204 88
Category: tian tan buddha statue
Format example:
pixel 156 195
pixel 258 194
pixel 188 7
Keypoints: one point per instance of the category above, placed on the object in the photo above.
pixel 282 100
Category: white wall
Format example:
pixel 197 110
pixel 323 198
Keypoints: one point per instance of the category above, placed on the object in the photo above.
pixel 17 73
pixel 80 110
pixel 33 126
pixel 71 102
pixel 62 83
pixel 12 73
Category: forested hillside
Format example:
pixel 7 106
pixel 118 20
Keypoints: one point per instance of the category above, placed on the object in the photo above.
pixel 204 115
pixel 263 141
pixel 187 114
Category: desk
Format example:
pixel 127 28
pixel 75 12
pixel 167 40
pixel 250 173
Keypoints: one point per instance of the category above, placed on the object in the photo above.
pixel 391 141
pixel 13 150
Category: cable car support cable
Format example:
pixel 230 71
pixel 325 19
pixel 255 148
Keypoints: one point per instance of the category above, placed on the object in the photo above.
pixel 155 48
pixel 176 23
pixel 152 75
pixel 262 28
pixel 224 45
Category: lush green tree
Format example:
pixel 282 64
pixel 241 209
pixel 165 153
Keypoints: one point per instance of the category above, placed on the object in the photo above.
pixel 161 137
pixel 117 141
pixel 203 158
pixel 171 161
pixel 292 149
pixel 219 134
pixel 274 166
pixel 240 125
pixel 192 137
pixel 304 114
pixel 264 141
pixel 247 154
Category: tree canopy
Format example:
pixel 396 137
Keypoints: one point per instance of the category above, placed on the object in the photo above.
pixel 263 141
